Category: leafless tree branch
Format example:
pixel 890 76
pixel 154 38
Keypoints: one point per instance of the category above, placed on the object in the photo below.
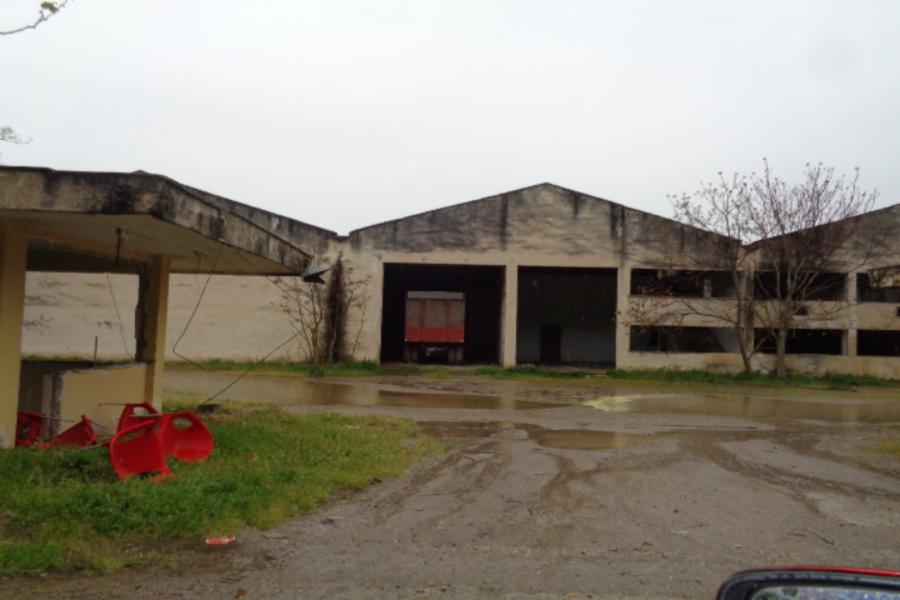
pixel 46 12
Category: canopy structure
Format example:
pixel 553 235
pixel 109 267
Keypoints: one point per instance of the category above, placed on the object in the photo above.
pixel 136 223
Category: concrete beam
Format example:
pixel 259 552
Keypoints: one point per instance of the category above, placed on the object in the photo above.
pixel 13 258
pixel 154 302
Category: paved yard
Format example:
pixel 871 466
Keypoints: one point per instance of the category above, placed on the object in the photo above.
pixel 563 491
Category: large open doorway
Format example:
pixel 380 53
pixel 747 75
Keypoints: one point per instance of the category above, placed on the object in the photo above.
pixel 566 316
pixel 482 289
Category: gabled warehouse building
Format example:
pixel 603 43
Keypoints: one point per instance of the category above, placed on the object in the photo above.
pixel 542 274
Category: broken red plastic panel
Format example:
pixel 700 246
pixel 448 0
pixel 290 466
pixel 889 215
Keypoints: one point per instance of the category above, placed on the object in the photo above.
pixel 131 417
pixel 79 435
pixel 28 427
pixel 221 541
pixel 139 450
pixel 185 437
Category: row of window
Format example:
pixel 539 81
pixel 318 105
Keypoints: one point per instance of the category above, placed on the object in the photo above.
pixel 719 284
pixel 724 339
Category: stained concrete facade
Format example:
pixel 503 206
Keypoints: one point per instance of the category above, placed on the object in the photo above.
pixel 543 242
pixel 144 225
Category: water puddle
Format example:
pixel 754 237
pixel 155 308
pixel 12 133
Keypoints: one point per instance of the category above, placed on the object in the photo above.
pixel 472 429
pixel 751 407
pixel 585 439
pixel 294 391
pixel 566 439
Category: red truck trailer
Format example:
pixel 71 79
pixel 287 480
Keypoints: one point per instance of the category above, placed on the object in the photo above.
pixel 435 326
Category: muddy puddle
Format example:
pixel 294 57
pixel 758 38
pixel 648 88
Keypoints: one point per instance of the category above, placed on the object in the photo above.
pixel 578 439
pixel 565 439
pixel 751 407
pixel 294 391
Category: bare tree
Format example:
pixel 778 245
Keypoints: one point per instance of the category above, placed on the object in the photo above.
pixel 46 11
pixel 345 292
pixel 803 239
pixel 8 135
pixel 318 313
pixel 712 213
pixel 305 306
pixel 808 237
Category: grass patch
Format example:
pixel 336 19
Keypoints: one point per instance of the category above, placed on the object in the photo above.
pixel 701 376
pixel 530 372
pixel 368 368
pixel 65 509
pixel 344 369
pixel 890 446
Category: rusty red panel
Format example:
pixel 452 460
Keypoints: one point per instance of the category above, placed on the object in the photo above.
pixel 435 320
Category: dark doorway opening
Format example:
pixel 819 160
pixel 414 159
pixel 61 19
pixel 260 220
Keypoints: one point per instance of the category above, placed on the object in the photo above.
pixel 566 316
pixel 483 290
pixel 551 342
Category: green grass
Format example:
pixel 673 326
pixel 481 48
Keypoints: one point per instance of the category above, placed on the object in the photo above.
pixel 701 376
pixel 533 373
pixel 530 372
pixel 368 368
pixel 65 509
pixel 890 446
pixel 344 369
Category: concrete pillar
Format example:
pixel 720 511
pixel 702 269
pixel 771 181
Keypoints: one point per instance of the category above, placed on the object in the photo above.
pixel 852 318
pixel 13 259
pixel 509 316
pixel 623 330
pixel 152 343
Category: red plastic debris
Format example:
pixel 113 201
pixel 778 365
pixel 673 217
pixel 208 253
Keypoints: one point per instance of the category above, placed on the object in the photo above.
pixel 139 450
pixel 28 427
pixel 193 443
pixel 80 435
pixel 130 417
pixel 220 541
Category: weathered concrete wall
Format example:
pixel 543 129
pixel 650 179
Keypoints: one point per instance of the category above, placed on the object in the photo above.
pixel 239 317
pixel 95 393
pixel 543 225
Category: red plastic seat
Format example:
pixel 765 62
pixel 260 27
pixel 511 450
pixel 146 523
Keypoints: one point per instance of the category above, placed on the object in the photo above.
pixel 138 450
pixel 80 435
pixel 191 443
pixel 130 418
pixel 28 428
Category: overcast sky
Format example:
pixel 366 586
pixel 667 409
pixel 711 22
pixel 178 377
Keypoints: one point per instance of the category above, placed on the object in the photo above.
pixel 347 113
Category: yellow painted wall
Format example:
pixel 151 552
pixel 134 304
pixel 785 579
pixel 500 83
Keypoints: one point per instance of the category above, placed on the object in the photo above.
pixel 84 391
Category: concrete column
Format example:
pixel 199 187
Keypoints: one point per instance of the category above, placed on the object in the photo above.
pixel 13 258
pixel 152 344
pixel 623 330
pixel 509 316
pixel 852 318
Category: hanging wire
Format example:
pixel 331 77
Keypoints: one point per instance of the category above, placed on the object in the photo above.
pixel 250 368
pixel 118 316
pixel 264 358
pixel 194 312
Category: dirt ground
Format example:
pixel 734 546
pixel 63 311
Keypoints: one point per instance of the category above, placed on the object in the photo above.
pixel 568 490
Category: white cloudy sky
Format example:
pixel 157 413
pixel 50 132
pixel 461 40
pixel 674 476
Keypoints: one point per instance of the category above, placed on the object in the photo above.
pixel 345 113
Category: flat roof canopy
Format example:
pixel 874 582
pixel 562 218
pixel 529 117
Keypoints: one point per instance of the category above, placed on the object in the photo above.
pixel 114 222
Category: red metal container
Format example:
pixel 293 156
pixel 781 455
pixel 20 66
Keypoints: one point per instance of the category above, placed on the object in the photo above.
pixel 435 317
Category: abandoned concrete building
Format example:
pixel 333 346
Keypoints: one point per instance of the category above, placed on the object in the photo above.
pixel 139 226
pixel 541 274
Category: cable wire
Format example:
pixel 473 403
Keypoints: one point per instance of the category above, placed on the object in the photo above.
pixel 118 316
pixel 194 312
